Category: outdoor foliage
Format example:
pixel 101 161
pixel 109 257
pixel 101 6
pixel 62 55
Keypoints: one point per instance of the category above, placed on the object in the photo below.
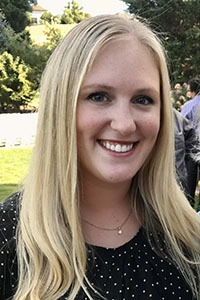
pixel 180 95
pixel 47 17
pixel 16 90
pixel 23 62
pixel 15 12
pixel 32 57
pixel 73 13
pixel 178 22
pixel 53 36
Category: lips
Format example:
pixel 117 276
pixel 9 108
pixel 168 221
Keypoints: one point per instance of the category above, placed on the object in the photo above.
pixel 117 147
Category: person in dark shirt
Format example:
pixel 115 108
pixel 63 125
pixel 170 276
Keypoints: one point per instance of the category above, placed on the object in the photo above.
pixel 191 111
pixel 186 147
pixel 101 215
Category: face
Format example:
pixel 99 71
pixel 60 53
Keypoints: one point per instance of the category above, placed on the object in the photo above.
pixel 189 93
pixel 118 112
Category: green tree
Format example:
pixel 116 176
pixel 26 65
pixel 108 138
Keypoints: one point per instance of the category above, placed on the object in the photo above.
pixel 21 48
pixel 15 88
pixel 53 36
pixel 15 12
pixel 73 13
pixel 22 52
pixel 47 17
pixel 19 45
pixel 177 21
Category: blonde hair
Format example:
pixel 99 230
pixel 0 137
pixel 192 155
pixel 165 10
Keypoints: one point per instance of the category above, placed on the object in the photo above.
pixel 51 247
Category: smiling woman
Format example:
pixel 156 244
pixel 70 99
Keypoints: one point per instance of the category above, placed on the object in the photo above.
pixel 101 215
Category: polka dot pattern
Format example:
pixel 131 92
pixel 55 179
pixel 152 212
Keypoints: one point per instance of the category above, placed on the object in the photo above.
pixel 132 271
pixel 135 271
pixel 8 264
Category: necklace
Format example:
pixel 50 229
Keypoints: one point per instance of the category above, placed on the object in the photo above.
pixel 118 228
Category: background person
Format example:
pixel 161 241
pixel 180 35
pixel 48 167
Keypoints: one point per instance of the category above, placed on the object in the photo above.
pixel 191 111
pixel 101 213
pixel 186 147
pixel 191 108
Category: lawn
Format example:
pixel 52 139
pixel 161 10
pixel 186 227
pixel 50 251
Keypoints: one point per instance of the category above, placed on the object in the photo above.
pixel 37 32
pixel 14 164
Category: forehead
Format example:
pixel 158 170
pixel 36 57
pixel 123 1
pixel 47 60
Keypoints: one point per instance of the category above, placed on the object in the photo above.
pixel 124 60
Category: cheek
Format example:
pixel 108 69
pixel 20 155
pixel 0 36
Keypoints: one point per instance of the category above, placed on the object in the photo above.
pixel 90 121
pixel 83 122
pixel 151 126
pixel 86 125
pixel 88 128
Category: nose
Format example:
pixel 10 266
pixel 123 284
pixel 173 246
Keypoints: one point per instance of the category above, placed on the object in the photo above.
pixel 123 121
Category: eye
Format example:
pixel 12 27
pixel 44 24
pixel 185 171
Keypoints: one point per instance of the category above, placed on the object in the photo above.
pixel 98 97
pixel 143 100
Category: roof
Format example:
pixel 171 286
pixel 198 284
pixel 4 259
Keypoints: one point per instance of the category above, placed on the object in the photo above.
pixel 38 8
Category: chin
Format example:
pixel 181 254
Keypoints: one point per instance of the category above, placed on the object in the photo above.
pixel 120 178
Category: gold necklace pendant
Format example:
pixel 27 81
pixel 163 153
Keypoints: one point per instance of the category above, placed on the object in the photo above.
pixel 118 229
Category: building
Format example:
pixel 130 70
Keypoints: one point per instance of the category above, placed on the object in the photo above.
pixel 36 14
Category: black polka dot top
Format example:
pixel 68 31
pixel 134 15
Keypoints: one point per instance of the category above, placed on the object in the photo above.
pixel 132 271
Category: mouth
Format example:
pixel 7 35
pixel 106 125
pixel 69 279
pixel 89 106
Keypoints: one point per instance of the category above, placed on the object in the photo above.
pixel 116 146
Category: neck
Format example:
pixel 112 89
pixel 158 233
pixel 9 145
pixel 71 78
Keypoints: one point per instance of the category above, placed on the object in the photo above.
pixel 107 206
pixel 97 195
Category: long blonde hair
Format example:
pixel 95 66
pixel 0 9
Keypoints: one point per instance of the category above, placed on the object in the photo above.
pixel 50 244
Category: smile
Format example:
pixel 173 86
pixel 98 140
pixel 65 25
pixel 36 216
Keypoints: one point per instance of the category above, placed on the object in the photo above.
pixel 116 147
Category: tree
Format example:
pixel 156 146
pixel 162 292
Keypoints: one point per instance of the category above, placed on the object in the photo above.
pixel 24 64
pixel 53 36
pixel 47 17
pixel 15 88
pixel 19 45
pixel 34 57
pixel 73 13
pixel 15 12
pixel 177 21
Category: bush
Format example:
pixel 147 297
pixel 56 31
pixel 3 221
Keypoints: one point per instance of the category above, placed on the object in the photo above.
pixel 179 95
pixel 16 89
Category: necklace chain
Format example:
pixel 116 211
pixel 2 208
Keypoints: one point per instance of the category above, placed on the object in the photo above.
pixel 118 228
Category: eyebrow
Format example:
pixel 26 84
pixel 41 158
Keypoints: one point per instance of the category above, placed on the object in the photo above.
pixel 140 91
pixel 149 90
pixel 97 86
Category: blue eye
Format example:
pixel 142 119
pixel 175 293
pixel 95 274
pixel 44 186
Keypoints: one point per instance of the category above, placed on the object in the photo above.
pixel 143 100
pixel 98 97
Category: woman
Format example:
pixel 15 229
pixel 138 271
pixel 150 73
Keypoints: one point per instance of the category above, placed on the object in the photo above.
pixel 101 215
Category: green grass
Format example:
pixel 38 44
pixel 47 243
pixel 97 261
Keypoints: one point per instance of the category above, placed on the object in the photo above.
pixel 14 164
pixel 37 32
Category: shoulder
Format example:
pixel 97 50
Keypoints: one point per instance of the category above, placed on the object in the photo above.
pixel 9 214
pixel 178 120
pixel 186 105
pixel 11 203
pixel 196 98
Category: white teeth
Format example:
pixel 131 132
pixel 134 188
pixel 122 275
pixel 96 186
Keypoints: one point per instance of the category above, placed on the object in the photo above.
pixel 118 147
pixel 124 148
pixel 107 145
pixel 112 147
